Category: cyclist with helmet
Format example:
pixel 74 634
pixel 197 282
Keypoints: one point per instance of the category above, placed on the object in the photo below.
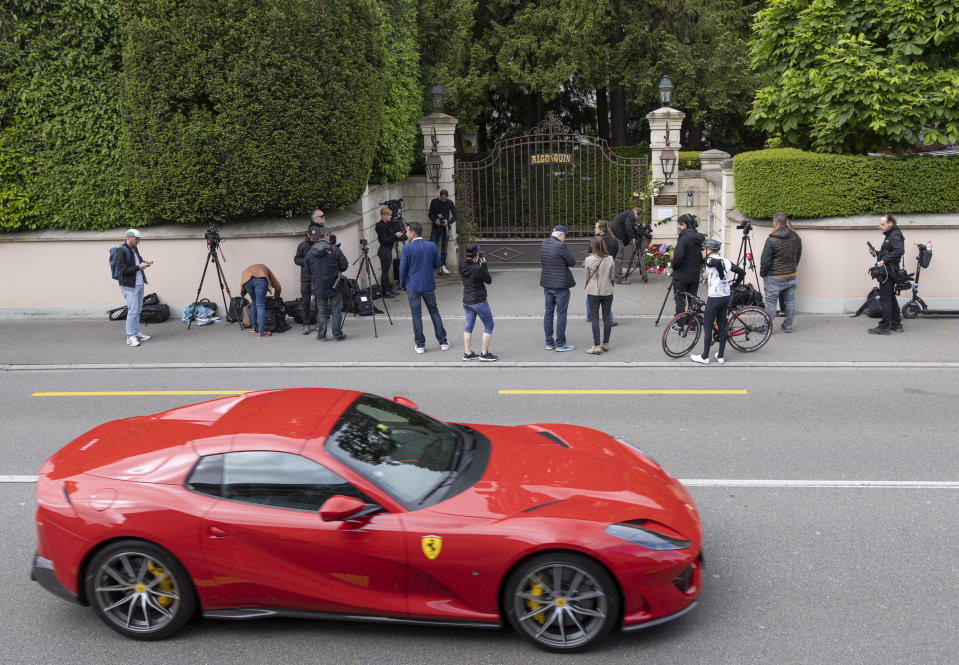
pixel 716 273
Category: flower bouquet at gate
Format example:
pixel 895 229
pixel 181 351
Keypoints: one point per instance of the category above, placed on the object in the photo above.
pixel 657 258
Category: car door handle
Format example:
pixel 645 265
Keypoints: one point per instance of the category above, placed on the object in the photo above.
pixel 217 532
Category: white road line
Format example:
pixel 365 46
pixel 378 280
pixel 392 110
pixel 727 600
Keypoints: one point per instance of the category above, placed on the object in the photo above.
pixel 681 364
pixel 727 482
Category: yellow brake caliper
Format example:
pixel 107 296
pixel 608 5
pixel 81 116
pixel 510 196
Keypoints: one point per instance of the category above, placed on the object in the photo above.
pixel 536 590
pixel 165 583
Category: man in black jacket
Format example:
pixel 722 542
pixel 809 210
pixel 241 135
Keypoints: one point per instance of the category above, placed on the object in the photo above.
pixel 556 280
pixel 624 227
pixel 306 291
pixel 889 254
pixel 324 263
pixel 442 213
pixel 686 262
pixel 777 267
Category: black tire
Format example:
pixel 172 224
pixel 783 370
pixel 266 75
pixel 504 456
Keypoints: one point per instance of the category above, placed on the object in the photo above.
pixel 140 590
pixel 578 600
pixel 749 328
pixel 911 310
pixel 681 334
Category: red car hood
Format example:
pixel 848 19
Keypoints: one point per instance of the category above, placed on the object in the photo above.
pixel 571 472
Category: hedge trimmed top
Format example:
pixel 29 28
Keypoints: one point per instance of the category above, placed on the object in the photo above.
pixel 806 184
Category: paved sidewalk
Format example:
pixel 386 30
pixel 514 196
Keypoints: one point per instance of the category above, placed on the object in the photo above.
pixel 517 302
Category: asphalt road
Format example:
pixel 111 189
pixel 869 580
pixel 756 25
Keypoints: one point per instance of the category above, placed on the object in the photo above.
pixel 803 574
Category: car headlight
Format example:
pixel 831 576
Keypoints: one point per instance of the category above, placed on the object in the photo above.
pixel 647 534
pixel 641 452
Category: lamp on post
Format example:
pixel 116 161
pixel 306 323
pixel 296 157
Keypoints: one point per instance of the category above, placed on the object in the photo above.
pixel 665 90
pixel 433 161
pixel 667 160
pixel 437 97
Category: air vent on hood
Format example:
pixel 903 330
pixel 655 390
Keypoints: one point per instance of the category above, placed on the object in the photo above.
pixel 552 437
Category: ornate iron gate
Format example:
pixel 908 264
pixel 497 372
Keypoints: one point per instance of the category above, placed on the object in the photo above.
pixel 512 199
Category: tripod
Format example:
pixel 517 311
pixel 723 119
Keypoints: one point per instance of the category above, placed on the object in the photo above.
pixel 366 266
pixel 745 256
pixel 213 245
pixel 639 252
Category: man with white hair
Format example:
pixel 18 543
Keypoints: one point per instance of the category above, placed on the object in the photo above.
pixel 556 280
pixel 130 267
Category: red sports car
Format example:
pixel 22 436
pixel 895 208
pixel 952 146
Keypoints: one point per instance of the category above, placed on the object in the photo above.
pixel 340 504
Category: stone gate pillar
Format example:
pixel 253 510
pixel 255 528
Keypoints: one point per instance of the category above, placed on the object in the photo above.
pixel 664 128
pixel 438 134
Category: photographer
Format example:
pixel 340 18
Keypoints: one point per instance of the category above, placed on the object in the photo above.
pixel 324 263
pixel 388 235
pixel 624 226
pixel 306 292
pixel 686 262
pixel 890 252
pixel 442 213
pixel 475 276
pixel 777 267
pixel 130 267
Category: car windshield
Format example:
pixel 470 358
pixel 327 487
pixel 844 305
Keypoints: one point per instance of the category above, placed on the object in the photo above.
pixel 406 453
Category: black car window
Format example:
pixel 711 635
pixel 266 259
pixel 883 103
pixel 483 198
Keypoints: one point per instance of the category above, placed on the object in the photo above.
pixel 270 478
pixel 402 451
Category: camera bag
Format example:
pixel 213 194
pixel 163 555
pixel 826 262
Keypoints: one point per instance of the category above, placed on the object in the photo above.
pixel 872 307
pixel 234 312
pixel 744 295
pixel 157 313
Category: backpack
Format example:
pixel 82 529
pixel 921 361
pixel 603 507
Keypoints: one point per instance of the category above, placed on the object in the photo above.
pixel 114 266
pixel 744 295
pixel 872 307
pixel 154 313
pixel 234 312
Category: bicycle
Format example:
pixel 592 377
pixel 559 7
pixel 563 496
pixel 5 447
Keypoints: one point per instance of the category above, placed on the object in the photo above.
pixel 748 328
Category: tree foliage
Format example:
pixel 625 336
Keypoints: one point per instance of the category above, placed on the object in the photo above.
pixel 857 75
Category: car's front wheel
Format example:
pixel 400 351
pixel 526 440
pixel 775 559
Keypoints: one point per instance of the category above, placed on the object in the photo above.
pixel 561 601
pixel 140 590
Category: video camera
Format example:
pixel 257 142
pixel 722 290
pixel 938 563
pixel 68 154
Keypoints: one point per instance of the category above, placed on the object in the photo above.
pixel 745 227
pixel 212 236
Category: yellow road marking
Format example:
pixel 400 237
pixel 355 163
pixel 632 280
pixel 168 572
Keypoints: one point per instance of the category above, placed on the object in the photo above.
pixel 138 393
pixel 622 392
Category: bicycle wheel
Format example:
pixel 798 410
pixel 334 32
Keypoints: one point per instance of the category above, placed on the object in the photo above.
pixel 749 328
pixel 681 334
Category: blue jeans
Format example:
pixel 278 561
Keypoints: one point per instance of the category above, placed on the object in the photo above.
pixel 134 297
pixel 787 286
pixel 256 287
pixel 324 306
pixel 440 236
pixel 429 297
pixel 556 300
pixel 481 310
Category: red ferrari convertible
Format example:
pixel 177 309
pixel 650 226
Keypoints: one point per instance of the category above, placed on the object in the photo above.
pixel 340 504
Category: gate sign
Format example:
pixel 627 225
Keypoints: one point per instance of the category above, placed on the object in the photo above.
pixel 551 158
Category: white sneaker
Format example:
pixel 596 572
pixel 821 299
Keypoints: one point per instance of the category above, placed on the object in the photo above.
pixel 444 347
pixel 142 337
pixel 133 341
pixel 720 360
pixel 444 270
pixel 420 349
pixel 699 359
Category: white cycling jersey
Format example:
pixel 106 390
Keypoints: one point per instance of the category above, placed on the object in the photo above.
pixel 718 286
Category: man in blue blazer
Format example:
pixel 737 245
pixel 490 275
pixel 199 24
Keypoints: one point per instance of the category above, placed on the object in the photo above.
pixel 417 263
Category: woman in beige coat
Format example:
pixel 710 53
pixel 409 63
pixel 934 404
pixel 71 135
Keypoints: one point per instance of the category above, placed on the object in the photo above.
pixel 600 272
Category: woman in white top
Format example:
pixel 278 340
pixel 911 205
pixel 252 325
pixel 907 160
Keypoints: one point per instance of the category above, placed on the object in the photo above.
pixel 600 272
pixel 716 273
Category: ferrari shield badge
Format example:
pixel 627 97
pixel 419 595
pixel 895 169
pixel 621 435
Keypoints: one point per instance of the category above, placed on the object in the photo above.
pixel 432 546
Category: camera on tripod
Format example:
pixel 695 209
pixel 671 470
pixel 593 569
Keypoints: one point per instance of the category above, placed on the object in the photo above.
pixel 745 227
pixel 212 236
pixel 364 245
pixel 643 231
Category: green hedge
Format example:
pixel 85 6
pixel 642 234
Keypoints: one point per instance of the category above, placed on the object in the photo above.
pixel 60 155
pixel 250 107
pixel 806 184
pixel 402 105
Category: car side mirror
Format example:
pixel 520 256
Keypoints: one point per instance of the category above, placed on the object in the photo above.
pixel 406 402
pixel 339 508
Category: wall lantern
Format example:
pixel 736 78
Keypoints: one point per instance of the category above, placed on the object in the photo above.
pixel 667 160
pixel 433 161
pixel 665 90
pixel 437 97
pixel 689 198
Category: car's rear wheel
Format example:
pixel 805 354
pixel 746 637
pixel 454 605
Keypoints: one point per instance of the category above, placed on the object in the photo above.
pixel 561 601
pixel 140 590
